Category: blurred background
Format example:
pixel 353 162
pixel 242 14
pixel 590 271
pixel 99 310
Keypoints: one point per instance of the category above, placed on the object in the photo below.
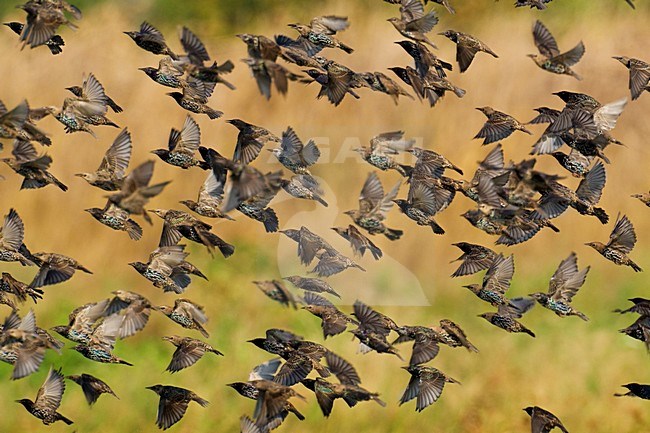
pixel 572 368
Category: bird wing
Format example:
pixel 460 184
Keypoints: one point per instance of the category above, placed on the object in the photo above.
pixel 170 412
pixel 329 24
pixel 639 78
pixel 12 232
pixel 192 310
pixel 185 356
pixel 190 136
pixel 425 349
pixel 193 47
pixel 430 391
pixel 573 56
pixel 494 131
pixel 24 151
pixel 371 193
pixel 544 41
pixel 342 369
pixel 411 10
pixel 151 33
pixel 464 56
pixel 623 236
pixel 291 145
pixel 591 187
pixel 499 274
pixel 50 394
pixel 117 157
pixel 265 370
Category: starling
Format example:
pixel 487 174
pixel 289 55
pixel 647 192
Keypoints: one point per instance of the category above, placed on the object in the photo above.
pixel 249 390
pixel 54 43
pixel 413 23
pixel 496 281
pixel 326 392
pixel 371 340
pixel 342 369
pixel 331 262
pixel 32 167
pixel 20 290
pixel 44 18
pixel 134 309
pixel 169 73
pixel 193 62
pixel 498 126
pixel 320 33
pixel 575 162
pixel 432 162
pixel 275 290
pixel 210 196
pixel 267 72
pixel 173 404
pixel 48 399
pixel 187 314
pixel 78 92
pixel 359 243
pixel 564 284
pixel 636 390
pixel 639 330
pixel 194 97
pixel 250 140
pixel 91 387
pixel 309 244
pixel 260 47
pixel 424 59
pixel 182 145
pixel 54 269
pixel 452 335
pixel 12 122
pixel 256 207
pixel 641 306
pixel 272 399
pixel 166 268
pixel 99 353
pixel 381 151
pixel 466 47
pixel 373 207
pixel 188 352
pixel 475 258
pixel 335 83
pixel 537 4
pixel 151 39
pixel 304 186
pixel 421 205
pixel 111 172
pixel 311 285
pixel 334 321
pixel 295 155
pixel 621 242
pixel 117 219
pixel 543 421
pixel 551 59
pixel 425 343
pixel 136 191
pixel 639 75
pixel 426 384
pixel 505 321
pixel 545 115
pixel 11 239
pixel 645 198
pixel 380 82
pixel 81 324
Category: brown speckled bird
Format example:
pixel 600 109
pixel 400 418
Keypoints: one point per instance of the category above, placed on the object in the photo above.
pixel 543 421
pixel 111 172
pixel 621 242
pixel 426 384
pixel 466 48
pixel 48 399
pixel 187 314
pixel 91 387
pixel 173 404
pixel 639 75
pixel 551 59
pixel 188 352
pixel 498 126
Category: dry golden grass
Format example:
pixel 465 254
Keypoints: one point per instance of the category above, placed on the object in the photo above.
pixel 571 368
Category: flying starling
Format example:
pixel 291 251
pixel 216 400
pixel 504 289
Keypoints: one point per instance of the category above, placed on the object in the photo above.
pixel 373 207
pixel 272 399
pixel 421 206
pixel 639 75
pixel 304 186
pixel 195 96
pixel 311 285
pixel 498 126
pixel 551 59
pixel 295 155
pixel 187 314
pixel 359 243
pixel 564 284
pixel 334 321
pixel 542 420
pixel 117 219
pixel 136 191
pixel 169 73
pixel 425 343
pixel 151 39
pixel 380 82
pixel 260 47
pixel 210 197
pixel 81 324
pixel 31 167
pixel 166 268
pixel 503 319
pixel 250 140
pixel 12 234
pixel 91 387
pixel 641 306
pixel 424 59
pixel 182 145
pixel 111 172
pixel 267 72
pixel 639 330
pixel 48 399
pixel 54 43
pixel 133 308
pixel 537 4
pixel 382 149
pixel 54 269
pixel 44 18
pixel 413 23
pixel 188 352
pixel 466 48
pixel 275 290
pixel 331 262
pixel 426 384
pixel 475 258
pixel 621 242
pixel 309 244
pixel 20 290
pixel 249 389
pixel 173 404
pixel 320 33
pixel 636 390
pixel 335 82
pixel 575 162
pixel 257 206
pixel 645 198
pixel 496 282
pixel 78 91
pixel 326 392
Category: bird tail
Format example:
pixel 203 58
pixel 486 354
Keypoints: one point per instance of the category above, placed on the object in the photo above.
pixel 58 183
pixel 55 49
pixel 134 230
pixel 393 234
pixel 203 402
pixel 601 215
pixel 225 248
pixel 576 76
pixel 459 92
pixel 291 408
pixel 60 417
pixel 636 267
pixel 404 170
pixel 121 361
pixel 529 332
pixel 582 316
pixel 346 48
pixel 270 220
pixel 213 114
pixel 436 228
pixel 202 331
pixel 320 200
pixel 523 129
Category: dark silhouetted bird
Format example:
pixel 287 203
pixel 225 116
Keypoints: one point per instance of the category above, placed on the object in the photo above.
pixel 466 48
pixel 621 242
pixel 636 390
pixel 326 392
pixel 543 421
pixel 48 399
pixel 250 140
pixel 54 269
pixel 498 126
pixel 151 39
pixel 31 167
pixel 54 43
pixel 188 352
pixel 551 59
pixel 426 384
pixel 639 75
pixel 44 18
pixel 173 404
pixel 20 290
pixel 91 387
pixel 194 98
pixel 267 72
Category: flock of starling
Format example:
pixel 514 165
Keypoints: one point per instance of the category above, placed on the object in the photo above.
pixel 511 201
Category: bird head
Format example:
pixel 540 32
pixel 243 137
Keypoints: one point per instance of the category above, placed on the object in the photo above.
pixel 624 60
pixel 486 316
pixel 160 152
pixel 26 402
pixel 75 90
pixel 75 378
pixel 598 246
pixel 132 35
pixel 174 339
pixel 259 342
pixel 529 410
pixel 61 330
pixel 15 26
pixel 159 212
pixel 451 34
pixel 237 123
pixel 189 203
pixel 94 211
pixel 164 309
pixel 149 71
pixel 176 95
pixel 473 287
pixel 538 296
pixel 237 386
pixel 86 176
pixel 485 110
pixel 402 204
pixel 155 388
pixel 248 38
pixel 138 266
pixel 393 20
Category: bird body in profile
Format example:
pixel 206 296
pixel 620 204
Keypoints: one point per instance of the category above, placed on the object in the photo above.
pixel 91 386
pixel 359 243
pixel 54 43
pixel 187 314
pixel 111 172
pixel 621 242
pixel 295 155
pixel 151 39
pixel 374 204
pixel 48 399
pixel 326 392
pixel 639 75
pixel 182 145
pixel 33 168
pixel 636 390
pixel 498 126
pixel 496 282
pixel 426 384
pixel 117 219
pixel 551 59
pixel 503 319
pixel 54 269
pixel 543 421
pixel 475 258
pixel 413 23
pixel 188 352
pixel 466 47
pixel 44 18
pixel 173 404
